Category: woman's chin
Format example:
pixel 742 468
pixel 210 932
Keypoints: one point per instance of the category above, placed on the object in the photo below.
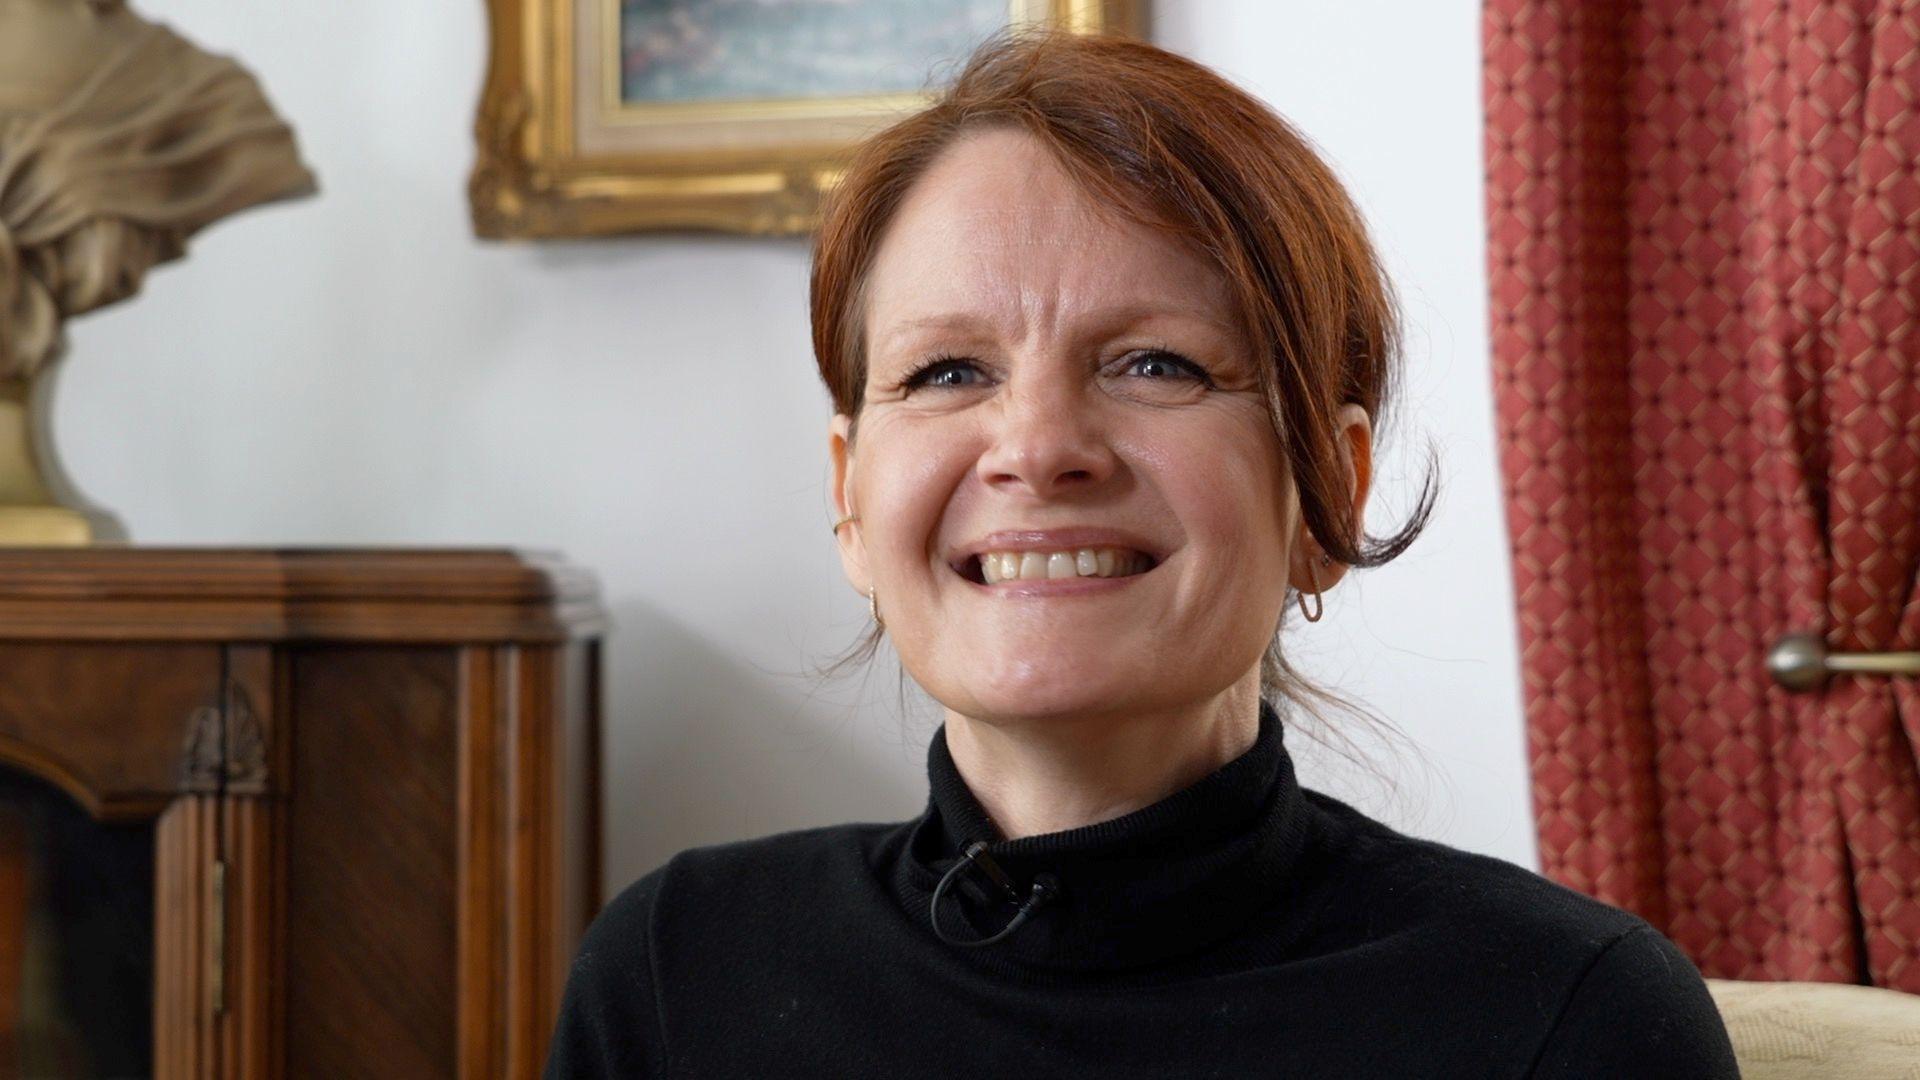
pixel 1039 691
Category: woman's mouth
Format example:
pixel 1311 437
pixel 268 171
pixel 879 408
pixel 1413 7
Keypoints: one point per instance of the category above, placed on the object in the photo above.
pixel 993 567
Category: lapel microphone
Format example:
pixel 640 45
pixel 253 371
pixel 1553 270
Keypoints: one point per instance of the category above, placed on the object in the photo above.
pixel 1043 890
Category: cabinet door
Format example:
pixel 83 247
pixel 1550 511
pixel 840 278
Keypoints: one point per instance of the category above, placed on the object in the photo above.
pixel 109 757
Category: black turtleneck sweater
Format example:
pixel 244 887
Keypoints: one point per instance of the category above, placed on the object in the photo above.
pixel 1241 927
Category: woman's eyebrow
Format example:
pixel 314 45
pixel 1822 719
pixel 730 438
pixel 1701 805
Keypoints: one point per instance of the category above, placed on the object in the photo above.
pixel 1123 316
pixel 957 320
pixel 1106 320
pixel 896 336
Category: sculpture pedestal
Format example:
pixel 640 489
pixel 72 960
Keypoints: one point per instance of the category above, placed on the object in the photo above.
pixel 44 526
pixel 38 506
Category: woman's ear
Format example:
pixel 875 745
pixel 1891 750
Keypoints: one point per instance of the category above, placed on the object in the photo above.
pixel 1353 429
pixel 1357 426
pixel 853 549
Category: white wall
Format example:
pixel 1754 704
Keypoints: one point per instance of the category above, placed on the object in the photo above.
pixel 356 368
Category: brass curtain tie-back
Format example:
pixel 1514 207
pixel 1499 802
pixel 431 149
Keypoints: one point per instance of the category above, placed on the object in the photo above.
pixel 1802 662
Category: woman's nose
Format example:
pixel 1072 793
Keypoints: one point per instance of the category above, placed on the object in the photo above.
pixel 1046 441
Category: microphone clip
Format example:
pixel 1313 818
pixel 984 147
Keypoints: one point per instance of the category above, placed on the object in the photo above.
pixel 1045 889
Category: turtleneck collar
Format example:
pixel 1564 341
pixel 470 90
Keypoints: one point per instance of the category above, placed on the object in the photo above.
pixel 1154 885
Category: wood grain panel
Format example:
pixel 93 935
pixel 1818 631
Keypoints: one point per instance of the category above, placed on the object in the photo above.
pixel 531 685
pixel 71 715
pixel 578 814
pixel 482 865
pixel 366 594
pixel 186 848
pixel 254 828
pixel 529 811
pixel 371 901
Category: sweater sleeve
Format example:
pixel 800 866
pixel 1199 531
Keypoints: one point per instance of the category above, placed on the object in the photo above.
pixel 609 1023
pixel 1642 1009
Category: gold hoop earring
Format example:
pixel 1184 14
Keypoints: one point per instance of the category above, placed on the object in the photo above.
pixel 873 607
pixel 1319 605
pixel 843 521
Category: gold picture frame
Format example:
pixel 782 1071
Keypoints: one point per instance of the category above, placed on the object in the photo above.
pixel 560 154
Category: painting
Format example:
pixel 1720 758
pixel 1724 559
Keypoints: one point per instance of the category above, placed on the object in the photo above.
pixel 702 50
pixel 618 116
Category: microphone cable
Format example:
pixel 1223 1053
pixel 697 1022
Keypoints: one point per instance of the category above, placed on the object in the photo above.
pixel 1044 889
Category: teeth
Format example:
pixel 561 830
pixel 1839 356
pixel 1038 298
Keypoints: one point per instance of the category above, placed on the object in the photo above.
pixel 998 566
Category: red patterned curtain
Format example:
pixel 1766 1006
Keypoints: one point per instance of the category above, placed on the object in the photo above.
pixel 1705 272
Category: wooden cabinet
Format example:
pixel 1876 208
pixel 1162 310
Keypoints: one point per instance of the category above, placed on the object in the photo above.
pixel 371 778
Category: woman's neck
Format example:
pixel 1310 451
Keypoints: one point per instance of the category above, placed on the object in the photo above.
pixel 1052 775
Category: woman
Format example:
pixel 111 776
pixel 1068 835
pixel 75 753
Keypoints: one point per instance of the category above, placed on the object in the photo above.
pixel 1105 340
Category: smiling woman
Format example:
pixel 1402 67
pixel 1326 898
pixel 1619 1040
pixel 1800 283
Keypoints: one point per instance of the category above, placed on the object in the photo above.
pixel 1106 342
pixel 1049 380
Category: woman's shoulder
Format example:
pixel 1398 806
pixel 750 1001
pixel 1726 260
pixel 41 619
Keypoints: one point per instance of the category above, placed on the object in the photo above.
pixel 742 892
pixel 1430 883
pixel 1616 996
pixel 744 875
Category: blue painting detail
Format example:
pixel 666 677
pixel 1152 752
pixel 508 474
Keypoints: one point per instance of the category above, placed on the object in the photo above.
pixel 743 50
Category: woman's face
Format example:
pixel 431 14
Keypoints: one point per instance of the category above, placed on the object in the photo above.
pixel 1072 501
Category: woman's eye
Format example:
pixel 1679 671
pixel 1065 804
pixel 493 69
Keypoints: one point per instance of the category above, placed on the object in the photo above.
pixel 944 373
pixel 1159 364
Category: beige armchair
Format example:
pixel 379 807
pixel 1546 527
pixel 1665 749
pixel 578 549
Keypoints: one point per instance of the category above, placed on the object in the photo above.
pixel 1820 1031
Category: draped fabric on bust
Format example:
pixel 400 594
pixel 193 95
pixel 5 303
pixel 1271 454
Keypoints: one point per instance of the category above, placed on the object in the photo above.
pixel 156 143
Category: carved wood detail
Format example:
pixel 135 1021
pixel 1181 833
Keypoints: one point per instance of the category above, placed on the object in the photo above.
pixel 225 749
pixel 246 745
pixel 203 758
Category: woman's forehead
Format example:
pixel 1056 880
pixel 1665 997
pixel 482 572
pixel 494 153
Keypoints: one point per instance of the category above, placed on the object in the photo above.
pixel 995 227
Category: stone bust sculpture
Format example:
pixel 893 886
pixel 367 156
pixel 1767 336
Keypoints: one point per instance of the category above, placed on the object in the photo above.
pixel 119 139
